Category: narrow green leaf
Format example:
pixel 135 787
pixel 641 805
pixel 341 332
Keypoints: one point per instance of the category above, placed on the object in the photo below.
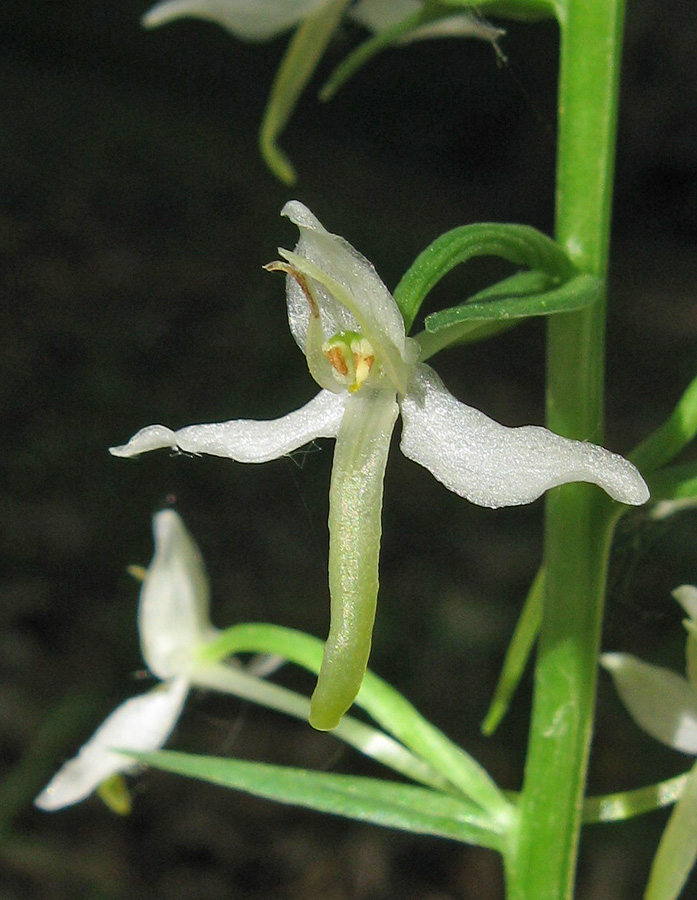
pixel 519 244
pixel 521 284
pixel 297 67
pixel 383 703
pixel 375 744
pixel 627 804
pixel 574 294
pixel 384 803
pixel 671 437
pixel 677 850
pixel 522 642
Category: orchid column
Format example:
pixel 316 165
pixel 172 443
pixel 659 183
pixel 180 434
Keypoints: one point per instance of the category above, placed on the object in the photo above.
pixel 579 519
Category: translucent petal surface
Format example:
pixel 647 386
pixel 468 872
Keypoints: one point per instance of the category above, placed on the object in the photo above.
pixel 371 307
pixel 140 724
pixel 173 616
pixel 660 701
pixel 252 20
pixel 246 440
pixel 492 465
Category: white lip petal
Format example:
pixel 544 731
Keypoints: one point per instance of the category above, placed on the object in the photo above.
pixel 371 305
pixel 173 614
pixel 660 701
pixel 246 440
pixel 492 465
pixel 141 724
pixel 251 20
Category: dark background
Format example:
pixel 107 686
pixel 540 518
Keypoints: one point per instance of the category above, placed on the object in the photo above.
pixel 135 216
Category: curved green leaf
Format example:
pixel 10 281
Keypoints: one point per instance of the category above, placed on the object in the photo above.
pixel 672 436
pixel 576 293
pixel 519 244
pixel 367 740
pixel 520 285
pixel 383 703
pixel 384 803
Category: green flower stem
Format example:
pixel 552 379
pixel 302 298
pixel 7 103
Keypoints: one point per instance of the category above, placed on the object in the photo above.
pixel 579 519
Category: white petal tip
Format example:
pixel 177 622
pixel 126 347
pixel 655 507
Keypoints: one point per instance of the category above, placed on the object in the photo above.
pixel 49 800
pixel 153 437
pixel 686 595
pixel 611 662
pixel 162 13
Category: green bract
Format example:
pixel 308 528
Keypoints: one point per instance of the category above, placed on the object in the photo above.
pixel 332 290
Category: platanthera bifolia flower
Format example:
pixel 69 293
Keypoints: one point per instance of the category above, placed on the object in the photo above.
pixel 173 624
pixel 664 704
pixel 261 20
pixel 349 327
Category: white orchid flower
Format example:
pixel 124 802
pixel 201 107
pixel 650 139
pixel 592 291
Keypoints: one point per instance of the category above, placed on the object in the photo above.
pixel 262 20
pixel 175 629
pixel 349 326
pixel 664 704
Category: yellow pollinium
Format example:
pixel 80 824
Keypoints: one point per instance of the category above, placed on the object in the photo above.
pixel 351 356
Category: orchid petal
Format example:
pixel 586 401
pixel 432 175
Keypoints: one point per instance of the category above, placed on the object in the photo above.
pixel 492 465
pixel 141 724
pixel 686 595
pixel 677 850
pixel 350 293
pixel 378 16
pixel 355 512
pixel 251 20
pixel 173 616
pixel 246 440
pixel 660 701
